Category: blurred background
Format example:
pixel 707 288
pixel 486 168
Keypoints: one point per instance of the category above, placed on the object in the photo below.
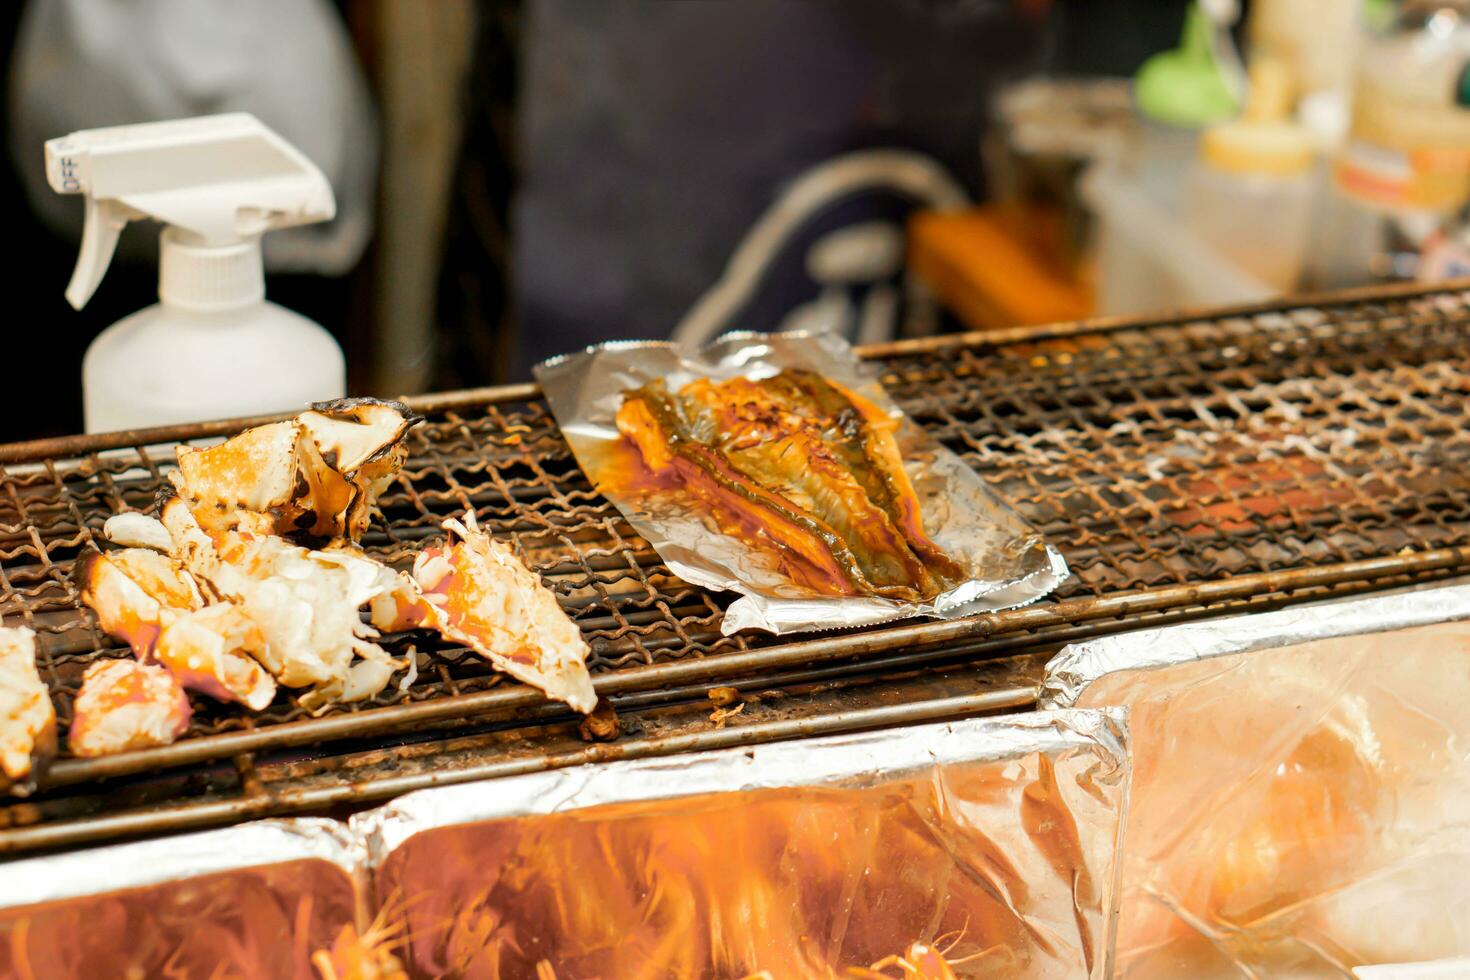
pixel 519 178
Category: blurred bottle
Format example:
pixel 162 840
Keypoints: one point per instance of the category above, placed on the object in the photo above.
pixel 1402 169
pixel 1146 256
pixel 1250 191
pixel 1408 147
pixel 1317 39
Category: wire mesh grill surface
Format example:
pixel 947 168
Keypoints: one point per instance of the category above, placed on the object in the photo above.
pixel 1150 455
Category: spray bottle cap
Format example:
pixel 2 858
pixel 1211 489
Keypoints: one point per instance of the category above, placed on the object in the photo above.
pixel 217 182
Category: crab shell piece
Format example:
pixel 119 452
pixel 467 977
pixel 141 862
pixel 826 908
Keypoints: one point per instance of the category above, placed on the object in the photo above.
pixel 318 474
pixel 125 705
pixel 352 432
pixel 486 599
pixel 161 577
pixel 208 651
pixel 124 608
pixel 27 720
pixel 151 603
pixel 362 439
pixel 269 479
pixel 369 482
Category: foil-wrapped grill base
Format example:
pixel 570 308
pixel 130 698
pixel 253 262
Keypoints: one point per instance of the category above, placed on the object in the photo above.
pixel 252 901
pixel 1301 799
pixel 991 842
pixel 1009 563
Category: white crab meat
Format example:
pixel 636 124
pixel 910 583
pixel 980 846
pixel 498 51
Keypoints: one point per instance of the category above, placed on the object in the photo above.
pixel 362 680
pixel 134 530
pixel 209 651
pixel 125 705
pixel 303 604
pixel 27 720
pixel 486 599
pixel 161 577
pixel 401 605
pixel 398 603
pixel 306 605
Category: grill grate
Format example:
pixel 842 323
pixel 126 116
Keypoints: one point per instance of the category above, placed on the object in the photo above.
pixel 1189 453
pixel 1241 449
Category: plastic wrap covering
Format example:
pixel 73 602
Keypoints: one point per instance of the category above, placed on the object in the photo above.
pixel 253 901
pixel 1005 562
pixel 984 848
pixel 1301 799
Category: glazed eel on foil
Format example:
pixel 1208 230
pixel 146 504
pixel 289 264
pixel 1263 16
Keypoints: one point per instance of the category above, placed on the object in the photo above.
pixel 777 466
pixel 801 463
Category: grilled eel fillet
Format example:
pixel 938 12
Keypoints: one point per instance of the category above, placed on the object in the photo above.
pixel 802 464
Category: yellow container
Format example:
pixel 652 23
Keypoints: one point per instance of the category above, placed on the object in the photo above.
pixel 1409 146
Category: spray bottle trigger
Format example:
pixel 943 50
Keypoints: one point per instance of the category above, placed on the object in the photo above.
pixel 103 224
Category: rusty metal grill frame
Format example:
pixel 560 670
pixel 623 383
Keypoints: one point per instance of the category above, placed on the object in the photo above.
pixel 1181 463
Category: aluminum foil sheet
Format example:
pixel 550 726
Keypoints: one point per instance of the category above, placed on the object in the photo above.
pixel 1301 794
pixel 1456 969
pixel 257 900
pixel 988 845
pixel 1010 564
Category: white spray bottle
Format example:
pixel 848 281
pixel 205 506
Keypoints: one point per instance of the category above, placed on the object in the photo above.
pixel 212 347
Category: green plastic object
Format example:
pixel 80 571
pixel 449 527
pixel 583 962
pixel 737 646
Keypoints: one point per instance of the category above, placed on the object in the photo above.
pixel 1378 15
pixel 1186 86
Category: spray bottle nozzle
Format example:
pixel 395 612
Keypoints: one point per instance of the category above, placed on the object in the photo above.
pixel 223 179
